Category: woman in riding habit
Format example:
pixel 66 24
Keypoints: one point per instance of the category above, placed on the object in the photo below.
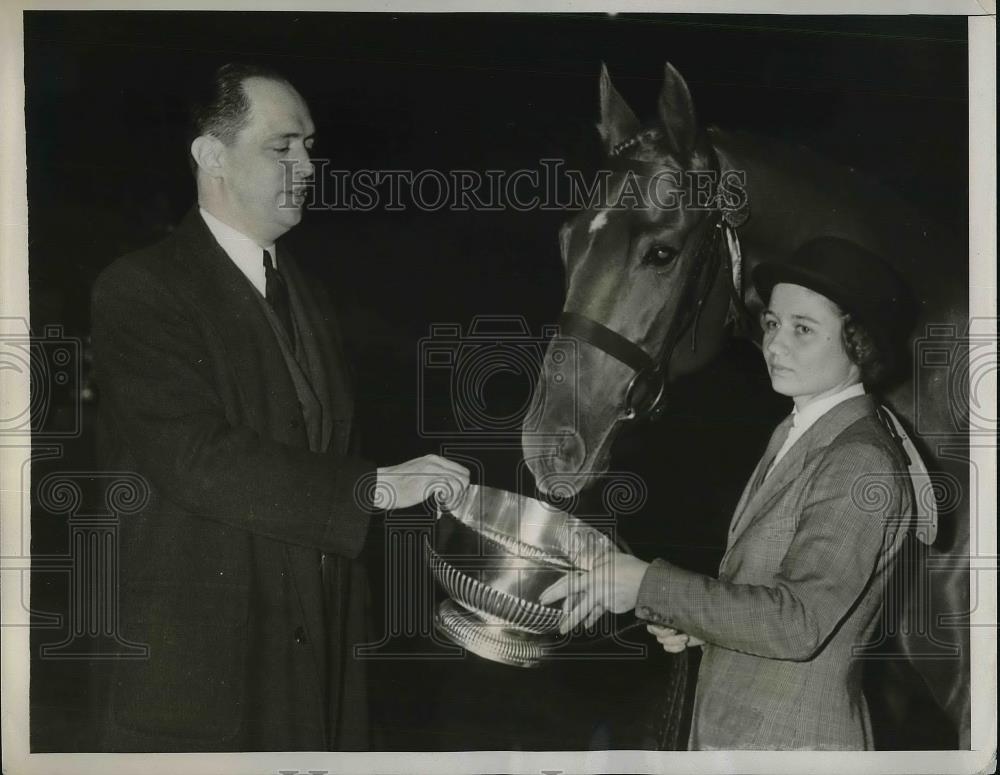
pixel 814 537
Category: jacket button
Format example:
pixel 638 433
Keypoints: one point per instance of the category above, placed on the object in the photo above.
pixel 294 423
pixel 643 612
pixel 300 635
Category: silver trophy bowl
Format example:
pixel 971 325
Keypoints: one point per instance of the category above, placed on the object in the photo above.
pixel 493 554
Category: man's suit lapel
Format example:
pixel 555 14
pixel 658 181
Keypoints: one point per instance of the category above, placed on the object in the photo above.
pixel 228 299
pixel 754 504
pixel 321 346
pixel 261 374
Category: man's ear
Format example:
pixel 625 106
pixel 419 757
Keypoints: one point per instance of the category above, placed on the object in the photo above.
pixel 207 152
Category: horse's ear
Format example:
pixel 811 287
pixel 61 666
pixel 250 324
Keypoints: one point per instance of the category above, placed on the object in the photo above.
pixel 676 111
pixel 618 122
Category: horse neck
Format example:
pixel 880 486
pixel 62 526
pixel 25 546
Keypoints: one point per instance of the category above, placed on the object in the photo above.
pixel 794 195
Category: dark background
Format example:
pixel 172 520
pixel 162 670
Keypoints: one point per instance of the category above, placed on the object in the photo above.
pixel 107 173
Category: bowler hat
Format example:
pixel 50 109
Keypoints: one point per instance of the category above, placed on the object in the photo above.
pixel 858 281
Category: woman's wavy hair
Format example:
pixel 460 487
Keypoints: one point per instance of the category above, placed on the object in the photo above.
pixel 879 363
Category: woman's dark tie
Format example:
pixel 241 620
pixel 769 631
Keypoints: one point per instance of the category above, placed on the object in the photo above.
pixel 277 296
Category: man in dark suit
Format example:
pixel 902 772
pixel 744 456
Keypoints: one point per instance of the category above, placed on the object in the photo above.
pixel 223 382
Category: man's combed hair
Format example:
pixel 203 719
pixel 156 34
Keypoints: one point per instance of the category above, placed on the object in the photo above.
pixel 224 109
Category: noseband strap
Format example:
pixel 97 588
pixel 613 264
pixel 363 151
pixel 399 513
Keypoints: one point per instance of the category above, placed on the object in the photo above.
pixel 704 245
pixel 603 338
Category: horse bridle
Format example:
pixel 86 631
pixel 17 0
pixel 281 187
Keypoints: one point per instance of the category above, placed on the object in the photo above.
pixel 704 244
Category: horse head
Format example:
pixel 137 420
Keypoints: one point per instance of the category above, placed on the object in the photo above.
pixel 649 285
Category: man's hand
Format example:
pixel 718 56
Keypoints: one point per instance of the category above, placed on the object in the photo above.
pixel 414 481
pixel 611 585
pixel 673 641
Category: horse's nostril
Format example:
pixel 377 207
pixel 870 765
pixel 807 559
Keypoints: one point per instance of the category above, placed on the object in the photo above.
pixel 572 452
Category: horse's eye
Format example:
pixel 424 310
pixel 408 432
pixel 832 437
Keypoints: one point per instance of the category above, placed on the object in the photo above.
pixel 660 255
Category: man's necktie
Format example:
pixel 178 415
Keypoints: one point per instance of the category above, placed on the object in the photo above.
pixel 277 296
pixel 773 446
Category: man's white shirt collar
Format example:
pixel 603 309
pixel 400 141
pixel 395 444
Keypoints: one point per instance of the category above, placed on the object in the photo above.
pixel 241 249
pixel 805 419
